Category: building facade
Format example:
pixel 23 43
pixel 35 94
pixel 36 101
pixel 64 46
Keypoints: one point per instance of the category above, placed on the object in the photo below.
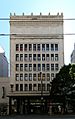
pixel 36 55
pixel 3 64
pixel 73 55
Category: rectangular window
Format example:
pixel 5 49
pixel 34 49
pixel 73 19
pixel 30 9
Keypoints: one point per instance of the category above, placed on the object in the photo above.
pixel 56 57
pixel 47 67
pixel 17 67
pixel 43 67
pixel 30 57
pixel 56 67
pixel 43 76
pixel 25 47
pixel 30 87
pixel 47 47
pixel 43 57
pixel 52 47
pixel 56 47
pixel 39 87
pixel 34 47
pixel 52 67
pixel 26 57
pixel 30 67
pixel 30 77
pixel 52 57
pixel 26 87
pixel 34 77
pixel 34 87
pixel 48 87
pixel 21 47
pixel 48 76
pixel 47 57
pixel 30 47
pixel 17 47
pixel 34 67
pixel 39 67
pixel 17 87
pixel 39 57
pixel 17 57
pixel 21 77
pixel 21 67
pixel 34 57
pixel 52 76
pixel 39 77
pixel 38 47
pixel 21 87
pixel 25 77
pixel 43 47
pixel 17 77
pixel 43 87
pixel 21 57
pixel 26 67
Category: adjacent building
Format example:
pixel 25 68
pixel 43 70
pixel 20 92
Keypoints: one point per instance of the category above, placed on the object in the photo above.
pixel 3 64
pixel 73 55
pixel 36 55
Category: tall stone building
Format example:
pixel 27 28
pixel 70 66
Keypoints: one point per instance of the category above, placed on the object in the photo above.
pixel 73 55
pixel 36 55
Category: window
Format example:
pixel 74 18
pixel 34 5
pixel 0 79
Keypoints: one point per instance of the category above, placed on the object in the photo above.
pixel 21 47
pixel 47 47
pixel 34 57
pixel 39 67
pixel 17 77
pixel 34 47
pixel 43 87
pixel 38 57
pixel 39 87
pixel 48 77
pixel 34 87
pixel 17 87
pixel 56 57
pixel 47 67
pixel 30 87
pixel 21 87
pixel 38 47
pixel 39 77
pixel 30 47
pixel 17 67
pixel 17 57
pixel 56 67
pixel 25 47
pixel 52 57
pixel 56 47
pixel 43 47
pixel 34 67
pixel 17 47
pixel 26 87
pixel 48 87
pixel 43 67
pixel 43 57
pixel 25 57
pixel 21 77
pixel 52 76
pixel 47 57
pixel 30 57
pixel 26 77
pixel 21 57
pixel 52 47
pixel 21 67
pixel 30 67
pixel 34 77
pixel 30 77
pixel 43 76
pixel 52 67
pixel 26 67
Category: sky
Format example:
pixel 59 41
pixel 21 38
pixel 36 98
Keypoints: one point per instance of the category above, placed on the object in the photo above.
pixel 37 6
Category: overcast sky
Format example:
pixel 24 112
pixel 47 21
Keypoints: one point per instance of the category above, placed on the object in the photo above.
pixel 37 6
